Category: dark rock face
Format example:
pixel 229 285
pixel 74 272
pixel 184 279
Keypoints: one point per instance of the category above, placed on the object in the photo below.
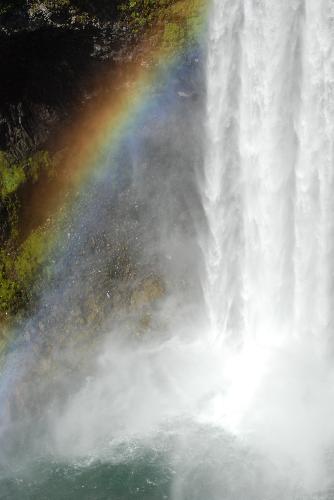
pixel 50 59
pixel 48 71
pixel 61 60
pixel 131 242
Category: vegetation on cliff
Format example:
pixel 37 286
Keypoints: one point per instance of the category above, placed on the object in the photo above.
pixel 19 260
pixel 25 156
pixel 176 21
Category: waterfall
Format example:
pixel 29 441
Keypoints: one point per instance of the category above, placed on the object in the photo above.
pixel 268 189
pixel 163 404
pixel 222 194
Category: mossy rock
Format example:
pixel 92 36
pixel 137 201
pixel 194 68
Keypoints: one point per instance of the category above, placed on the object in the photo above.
pixel 149 291
pixel 20 259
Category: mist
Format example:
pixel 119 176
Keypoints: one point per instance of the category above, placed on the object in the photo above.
pixel 183 347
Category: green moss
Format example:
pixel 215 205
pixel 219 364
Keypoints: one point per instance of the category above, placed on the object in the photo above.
pixel 8 285
pixel 177 22
pixel 11 175
pixel 8 293
pixel 14 174
pixel 32 255
pixel 19 268
pixel 19 264
pixel 173 34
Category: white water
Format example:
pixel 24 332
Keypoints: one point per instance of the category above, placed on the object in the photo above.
pixel 262 368
pixel 269 171
pixel 269 200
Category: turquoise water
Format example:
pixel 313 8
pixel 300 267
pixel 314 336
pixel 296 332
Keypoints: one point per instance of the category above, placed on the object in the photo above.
pixel 205 465
pixel 54 481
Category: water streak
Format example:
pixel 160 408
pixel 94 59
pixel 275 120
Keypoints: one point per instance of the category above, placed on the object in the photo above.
pixel 268 190
pixel 268 195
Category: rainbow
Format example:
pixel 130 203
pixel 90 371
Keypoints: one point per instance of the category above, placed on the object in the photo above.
pixel 98 132
pixel 94 134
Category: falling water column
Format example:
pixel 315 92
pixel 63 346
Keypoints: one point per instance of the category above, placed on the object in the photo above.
pixel 314 252
pixel 253 99
pixel 271 78
pixel 221 187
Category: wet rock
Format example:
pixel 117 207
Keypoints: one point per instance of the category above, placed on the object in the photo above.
pixel 149 291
